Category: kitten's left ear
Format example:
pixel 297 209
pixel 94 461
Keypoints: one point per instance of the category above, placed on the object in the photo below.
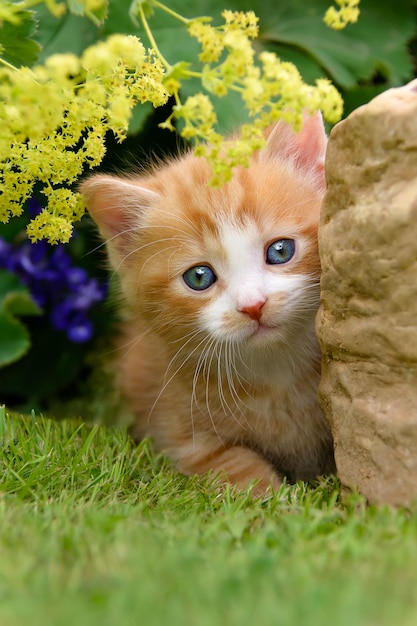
pixel 307 148
pixel 116 205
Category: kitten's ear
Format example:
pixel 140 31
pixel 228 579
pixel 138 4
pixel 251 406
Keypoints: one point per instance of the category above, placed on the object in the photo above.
pixel 307 148
pixel 115 204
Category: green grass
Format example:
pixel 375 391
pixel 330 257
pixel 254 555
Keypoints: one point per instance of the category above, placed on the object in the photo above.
pixel 98 531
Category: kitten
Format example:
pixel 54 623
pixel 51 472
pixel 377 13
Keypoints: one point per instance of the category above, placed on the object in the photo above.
pixel 218 354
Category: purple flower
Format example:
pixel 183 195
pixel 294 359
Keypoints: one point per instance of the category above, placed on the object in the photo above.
pixel 76 323
pixel 80 330
pixel 64 291
pixel 86 294
pixel 5 254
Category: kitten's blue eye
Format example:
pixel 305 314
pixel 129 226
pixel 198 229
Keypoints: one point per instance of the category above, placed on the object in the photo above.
pixel 200 277
pixel 280 251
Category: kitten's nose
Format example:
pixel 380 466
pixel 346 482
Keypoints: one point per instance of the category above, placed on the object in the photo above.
pixel 253 310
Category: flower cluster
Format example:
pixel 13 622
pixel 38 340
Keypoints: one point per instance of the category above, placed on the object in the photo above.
pixel 57 116
pixel 58 113
pixel 62 290
pixel 348 13
pixel 270 89
pixel 238 29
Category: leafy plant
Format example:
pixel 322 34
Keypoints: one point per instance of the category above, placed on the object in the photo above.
pixel 50 311
pixel 15 301
pixel 59 112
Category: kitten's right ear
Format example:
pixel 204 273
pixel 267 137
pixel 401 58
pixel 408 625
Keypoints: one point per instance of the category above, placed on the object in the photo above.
pixel 116 204
pixel 306 149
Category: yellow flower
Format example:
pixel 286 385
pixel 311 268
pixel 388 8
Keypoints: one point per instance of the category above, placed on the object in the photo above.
pixel 51 227
pixel 94 148
pixel 63 65
pixel 128 49
pixel 210 38
pixel 94 5
pixel 330 100
pixel 56 8
pixel 118 113
pixel 199 117
pixel 57 114
pixel 348 13
pixel 246 21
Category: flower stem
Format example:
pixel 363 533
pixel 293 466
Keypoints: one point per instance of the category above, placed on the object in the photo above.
pixel 29 4
pixel 7 64
pixel 177 16
pixel 92 17
pixel 152 40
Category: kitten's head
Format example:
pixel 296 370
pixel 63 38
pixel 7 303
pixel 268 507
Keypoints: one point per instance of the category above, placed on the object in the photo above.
pixel 237 263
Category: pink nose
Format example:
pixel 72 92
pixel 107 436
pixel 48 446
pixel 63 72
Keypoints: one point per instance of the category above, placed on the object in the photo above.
pixel 253 310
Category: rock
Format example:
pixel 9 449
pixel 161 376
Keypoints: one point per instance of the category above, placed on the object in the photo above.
pixel 367 323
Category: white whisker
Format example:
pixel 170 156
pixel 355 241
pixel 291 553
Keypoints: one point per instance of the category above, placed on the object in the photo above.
pixel 232 372
pixel 214 345
pixel 166 381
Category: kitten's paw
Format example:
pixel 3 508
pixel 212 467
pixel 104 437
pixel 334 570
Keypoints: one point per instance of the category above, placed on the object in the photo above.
pixel 266 486
pixel 236 465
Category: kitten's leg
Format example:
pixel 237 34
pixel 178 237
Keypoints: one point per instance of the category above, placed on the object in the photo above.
pixel 237 464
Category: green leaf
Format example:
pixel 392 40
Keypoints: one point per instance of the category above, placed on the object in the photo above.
pixel 377 42
pixel 140 114
pixel 51 364
pixel 78 8
pixel 16 43
pixel 146 7
pixel 15 300
pixel 354 98
pixel 178 71
pixel 71 33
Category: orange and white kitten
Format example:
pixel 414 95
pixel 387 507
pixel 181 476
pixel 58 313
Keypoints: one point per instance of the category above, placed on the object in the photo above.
pixel 218 356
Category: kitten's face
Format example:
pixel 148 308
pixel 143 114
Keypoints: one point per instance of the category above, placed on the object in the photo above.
pixel 255 283
pixel 237 264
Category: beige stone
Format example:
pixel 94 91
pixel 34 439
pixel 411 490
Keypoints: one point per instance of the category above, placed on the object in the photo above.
pixel 367 324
